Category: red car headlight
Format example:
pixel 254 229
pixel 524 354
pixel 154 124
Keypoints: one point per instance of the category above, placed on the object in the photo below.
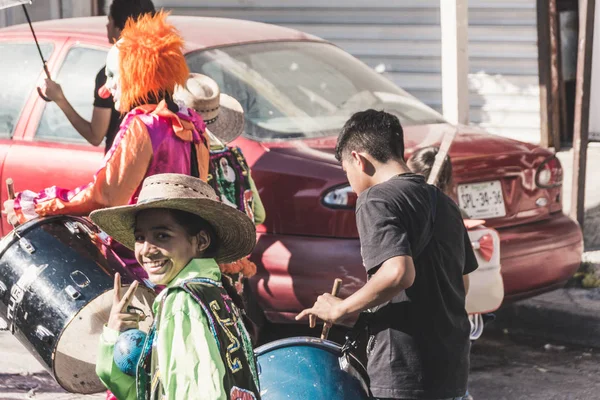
pixel 549 174
pixel 340 197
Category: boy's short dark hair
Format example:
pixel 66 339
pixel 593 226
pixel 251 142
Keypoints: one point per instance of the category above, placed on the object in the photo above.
pixel 121 10
pixel 422 161
pixel 377 133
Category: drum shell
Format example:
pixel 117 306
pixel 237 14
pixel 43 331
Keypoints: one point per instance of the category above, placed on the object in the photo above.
pixel 44 292
pixel 306 368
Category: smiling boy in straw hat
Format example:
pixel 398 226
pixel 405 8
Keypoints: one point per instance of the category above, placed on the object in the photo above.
pixel 197 347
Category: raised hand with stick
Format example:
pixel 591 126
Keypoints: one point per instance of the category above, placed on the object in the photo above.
pixel 9 210
pixel 324 309
pixel 337 284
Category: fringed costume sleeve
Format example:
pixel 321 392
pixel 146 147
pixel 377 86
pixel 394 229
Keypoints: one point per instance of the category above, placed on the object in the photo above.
pixel 122 172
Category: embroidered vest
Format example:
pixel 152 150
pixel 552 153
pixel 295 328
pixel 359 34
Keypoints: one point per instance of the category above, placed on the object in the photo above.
pixel 225 323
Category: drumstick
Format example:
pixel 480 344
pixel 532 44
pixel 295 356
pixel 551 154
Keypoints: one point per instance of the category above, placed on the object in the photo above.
pixel 10 186
pixel 337 284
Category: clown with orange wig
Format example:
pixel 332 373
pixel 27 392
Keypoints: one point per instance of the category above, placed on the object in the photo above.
pixel 143 68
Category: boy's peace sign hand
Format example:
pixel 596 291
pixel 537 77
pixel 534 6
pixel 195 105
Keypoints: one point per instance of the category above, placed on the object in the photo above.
pixel 120 318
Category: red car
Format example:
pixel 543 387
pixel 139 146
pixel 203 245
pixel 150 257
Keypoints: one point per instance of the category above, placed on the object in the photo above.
pixel 297 91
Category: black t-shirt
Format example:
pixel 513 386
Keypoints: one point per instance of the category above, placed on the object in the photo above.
pixel 115 116
pixel 419 344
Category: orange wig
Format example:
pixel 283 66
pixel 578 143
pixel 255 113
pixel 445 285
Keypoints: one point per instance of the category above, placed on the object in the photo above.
pixel 151 61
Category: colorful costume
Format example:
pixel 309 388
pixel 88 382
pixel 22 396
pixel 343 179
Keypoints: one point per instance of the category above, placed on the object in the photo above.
pixel 218 364
pixel 148 139
pixel 153 138
pixel 198 347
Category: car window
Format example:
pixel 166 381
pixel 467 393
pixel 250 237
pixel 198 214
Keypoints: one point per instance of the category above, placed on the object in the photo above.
pixel 77 79
pixel 20 67
pixel 303 89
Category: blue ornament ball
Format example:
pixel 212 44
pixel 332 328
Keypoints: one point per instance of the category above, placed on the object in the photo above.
pixel 128 350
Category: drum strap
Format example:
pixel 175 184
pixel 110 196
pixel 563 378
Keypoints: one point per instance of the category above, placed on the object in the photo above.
pixel 352 337
pixel 142 369
pixel 148 365
pixel 433 198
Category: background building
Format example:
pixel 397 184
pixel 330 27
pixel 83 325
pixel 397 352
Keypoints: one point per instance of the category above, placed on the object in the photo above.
pixel 401 40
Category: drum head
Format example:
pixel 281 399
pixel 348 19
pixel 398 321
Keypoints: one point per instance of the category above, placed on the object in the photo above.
pixel 77 349
pixel 307 368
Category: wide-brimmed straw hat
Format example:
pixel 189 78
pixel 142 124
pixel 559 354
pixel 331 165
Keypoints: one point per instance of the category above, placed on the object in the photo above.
pixel 235 232
pixel 223 115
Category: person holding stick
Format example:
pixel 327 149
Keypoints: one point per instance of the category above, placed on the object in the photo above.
pixel 105 118
pixel 143 69
pixel 416 250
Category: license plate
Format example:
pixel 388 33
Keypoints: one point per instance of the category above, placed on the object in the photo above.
pixel 482 200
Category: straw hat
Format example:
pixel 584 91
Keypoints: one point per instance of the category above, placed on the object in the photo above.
pixel 223 115
pixel 235 232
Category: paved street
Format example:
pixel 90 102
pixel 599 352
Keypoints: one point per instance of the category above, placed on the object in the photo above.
pixel 503 368
pixel 22 377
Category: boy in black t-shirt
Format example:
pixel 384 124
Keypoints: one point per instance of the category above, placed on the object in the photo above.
pixel 416 250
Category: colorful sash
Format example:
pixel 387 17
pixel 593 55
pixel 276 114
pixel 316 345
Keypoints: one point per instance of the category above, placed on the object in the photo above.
pixel 232 339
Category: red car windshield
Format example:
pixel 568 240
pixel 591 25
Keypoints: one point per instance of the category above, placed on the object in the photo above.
pixel 292 90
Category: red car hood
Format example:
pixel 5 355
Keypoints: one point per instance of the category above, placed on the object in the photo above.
pixel 469 143
pixel 476 157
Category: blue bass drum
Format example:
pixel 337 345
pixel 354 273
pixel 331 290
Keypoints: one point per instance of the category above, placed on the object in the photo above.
pixel 307 368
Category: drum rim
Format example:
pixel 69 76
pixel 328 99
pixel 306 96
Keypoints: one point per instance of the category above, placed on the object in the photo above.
pixel 13 236
pixel 54 350
pixel 304 340
pixel 297 341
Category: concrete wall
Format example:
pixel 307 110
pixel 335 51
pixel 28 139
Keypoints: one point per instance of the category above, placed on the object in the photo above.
pixel 402 39
pixel 42 10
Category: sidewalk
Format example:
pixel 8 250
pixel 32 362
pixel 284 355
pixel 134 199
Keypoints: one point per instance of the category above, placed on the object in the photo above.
pixel 22 376
pixel 570 316
pixel 591 231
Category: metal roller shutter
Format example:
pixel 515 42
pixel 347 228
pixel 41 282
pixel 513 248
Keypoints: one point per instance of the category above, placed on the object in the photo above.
pixel 401 39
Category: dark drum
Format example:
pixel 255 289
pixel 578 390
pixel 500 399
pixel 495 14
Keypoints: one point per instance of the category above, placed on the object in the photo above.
pixel 56 281
pixel 307 368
